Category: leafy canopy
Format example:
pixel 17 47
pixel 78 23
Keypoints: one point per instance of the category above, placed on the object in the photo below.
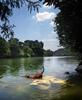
pixel 6 10
pixel 69 23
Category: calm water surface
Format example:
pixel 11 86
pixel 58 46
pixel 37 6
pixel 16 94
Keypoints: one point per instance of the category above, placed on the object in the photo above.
pixel 54 84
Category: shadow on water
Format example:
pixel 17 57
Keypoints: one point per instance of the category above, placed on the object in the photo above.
pixel 72 90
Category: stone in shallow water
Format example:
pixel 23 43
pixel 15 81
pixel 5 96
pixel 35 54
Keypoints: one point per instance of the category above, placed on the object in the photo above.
pixel 79 69
pixel 67 73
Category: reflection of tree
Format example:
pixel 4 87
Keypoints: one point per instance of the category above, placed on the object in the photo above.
pixel 33 63
pixel 2 70
pixel 4 64
pixel 15 66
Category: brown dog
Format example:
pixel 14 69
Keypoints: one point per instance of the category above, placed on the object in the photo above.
pixel 36 76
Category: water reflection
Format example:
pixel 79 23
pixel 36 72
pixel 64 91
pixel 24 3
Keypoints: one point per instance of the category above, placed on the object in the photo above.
pixel 55 84
pixel 14 66
pixel 57 66
pixel 32 63
pixel 2 70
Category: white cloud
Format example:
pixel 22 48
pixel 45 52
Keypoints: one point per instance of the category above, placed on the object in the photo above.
pixel 52 44
pixel 43 16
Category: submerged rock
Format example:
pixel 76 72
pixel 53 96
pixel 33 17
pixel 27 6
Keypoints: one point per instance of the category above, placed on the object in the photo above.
pixel 67 73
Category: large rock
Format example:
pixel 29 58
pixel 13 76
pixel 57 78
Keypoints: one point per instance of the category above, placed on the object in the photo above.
pixel 79 69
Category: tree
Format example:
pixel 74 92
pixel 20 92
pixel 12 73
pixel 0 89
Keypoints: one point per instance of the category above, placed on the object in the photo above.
pixel 48 52
pixel 14 47
pixel 35 46
pixel 28 51
pixel 6 10
pixel 3 47
pixel 69 23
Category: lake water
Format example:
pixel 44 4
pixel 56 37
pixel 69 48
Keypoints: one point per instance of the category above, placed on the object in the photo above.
pixel 54 85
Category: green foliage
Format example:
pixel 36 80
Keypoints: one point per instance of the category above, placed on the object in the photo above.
pixel 68 20
pixel 69 23
pixel 63 52
pixel 36 47
pixel 15 48
pixel 28 51
pixel 6 10
pixel 48 53
pixel 7 30
pixel 3 47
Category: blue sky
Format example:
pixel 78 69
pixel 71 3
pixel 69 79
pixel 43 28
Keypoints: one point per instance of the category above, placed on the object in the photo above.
pixel 36 26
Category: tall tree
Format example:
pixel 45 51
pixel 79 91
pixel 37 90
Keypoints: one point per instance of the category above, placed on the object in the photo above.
pixel 69 23
pixel 36 46
pixel 3 47
pixel 14 47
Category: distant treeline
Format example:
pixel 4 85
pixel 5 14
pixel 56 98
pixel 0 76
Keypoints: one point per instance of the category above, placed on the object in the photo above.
pixel 59 52
pixel 15 48
pixel 28 48
pixel 63 52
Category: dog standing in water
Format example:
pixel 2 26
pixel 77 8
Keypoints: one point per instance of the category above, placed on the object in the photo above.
pixel 36 76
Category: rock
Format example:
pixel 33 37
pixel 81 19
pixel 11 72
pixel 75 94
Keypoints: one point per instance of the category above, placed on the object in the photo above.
pixel 67 73
pixel 79 69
